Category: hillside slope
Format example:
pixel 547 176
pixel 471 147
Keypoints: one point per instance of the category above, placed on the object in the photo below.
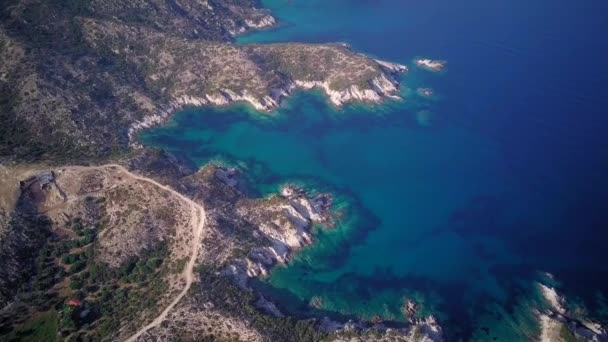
pixel 79 78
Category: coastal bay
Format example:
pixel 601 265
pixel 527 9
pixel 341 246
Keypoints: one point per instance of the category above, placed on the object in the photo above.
pixel 303 170
pixel 457 201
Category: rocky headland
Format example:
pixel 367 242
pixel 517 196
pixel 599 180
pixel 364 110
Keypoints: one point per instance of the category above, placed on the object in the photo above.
pixel 270 231
pixel 79 80
pixel 558 323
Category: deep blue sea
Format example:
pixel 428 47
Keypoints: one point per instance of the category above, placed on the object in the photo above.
pixel 459 201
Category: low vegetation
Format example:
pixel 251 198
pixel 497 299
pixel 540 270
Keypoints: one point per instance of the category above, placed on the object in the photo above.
pixel 43 327
pixel 89 300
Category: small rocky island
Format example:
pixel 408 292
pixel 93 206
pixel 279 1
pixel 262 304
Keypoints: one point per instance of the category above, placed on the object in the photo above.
pixel 430 64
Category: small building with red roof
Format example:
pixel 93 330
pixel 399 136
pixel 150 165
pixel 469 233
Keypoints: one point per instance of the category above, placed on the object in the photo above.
pixel 74 302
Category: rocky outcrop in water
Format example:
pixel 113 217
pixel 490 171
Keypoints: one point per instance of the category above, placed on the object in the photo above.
pixel 557 323
pixel 285 222
pixel 423 330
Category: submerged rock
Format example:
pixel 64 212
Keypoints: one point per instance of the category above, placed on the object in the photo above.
pixel 425 92
pixel 316 302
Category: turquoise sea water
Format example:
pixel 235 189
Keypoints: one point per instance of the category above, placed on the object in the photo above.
pixel 457 201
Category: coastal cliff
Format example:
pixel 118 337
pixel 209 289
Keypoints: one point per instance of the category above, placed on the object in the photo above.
pixel 367 88
pixel 286 221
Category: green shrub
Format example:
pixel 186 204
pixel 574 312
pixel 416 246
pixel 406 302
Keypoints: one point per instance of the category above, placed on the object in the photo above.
pixel 78 266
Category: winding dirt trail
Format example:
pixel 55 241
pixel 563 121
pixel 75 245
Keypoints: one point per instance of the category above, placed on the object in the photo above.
pixel 198 224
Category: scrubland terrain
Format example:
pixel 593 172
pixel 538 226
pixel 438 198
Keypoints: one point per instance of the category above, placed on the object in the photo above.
pixel 79 78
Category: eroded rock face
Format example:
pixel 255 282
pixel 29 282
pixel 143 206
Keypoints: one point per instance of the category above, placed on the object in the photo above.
pixel 251 235
pixel 197 74
pixel 285 222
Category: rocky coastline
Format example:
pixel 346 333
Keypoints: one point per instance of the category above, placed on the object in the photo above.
pixel 301 211
pixel 557 322
pixel 294 211
pixel 384 86
pixel 260 23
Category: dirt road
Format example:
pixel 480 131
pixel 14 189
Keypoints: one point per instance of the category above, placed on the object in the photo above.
pixel 198 225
